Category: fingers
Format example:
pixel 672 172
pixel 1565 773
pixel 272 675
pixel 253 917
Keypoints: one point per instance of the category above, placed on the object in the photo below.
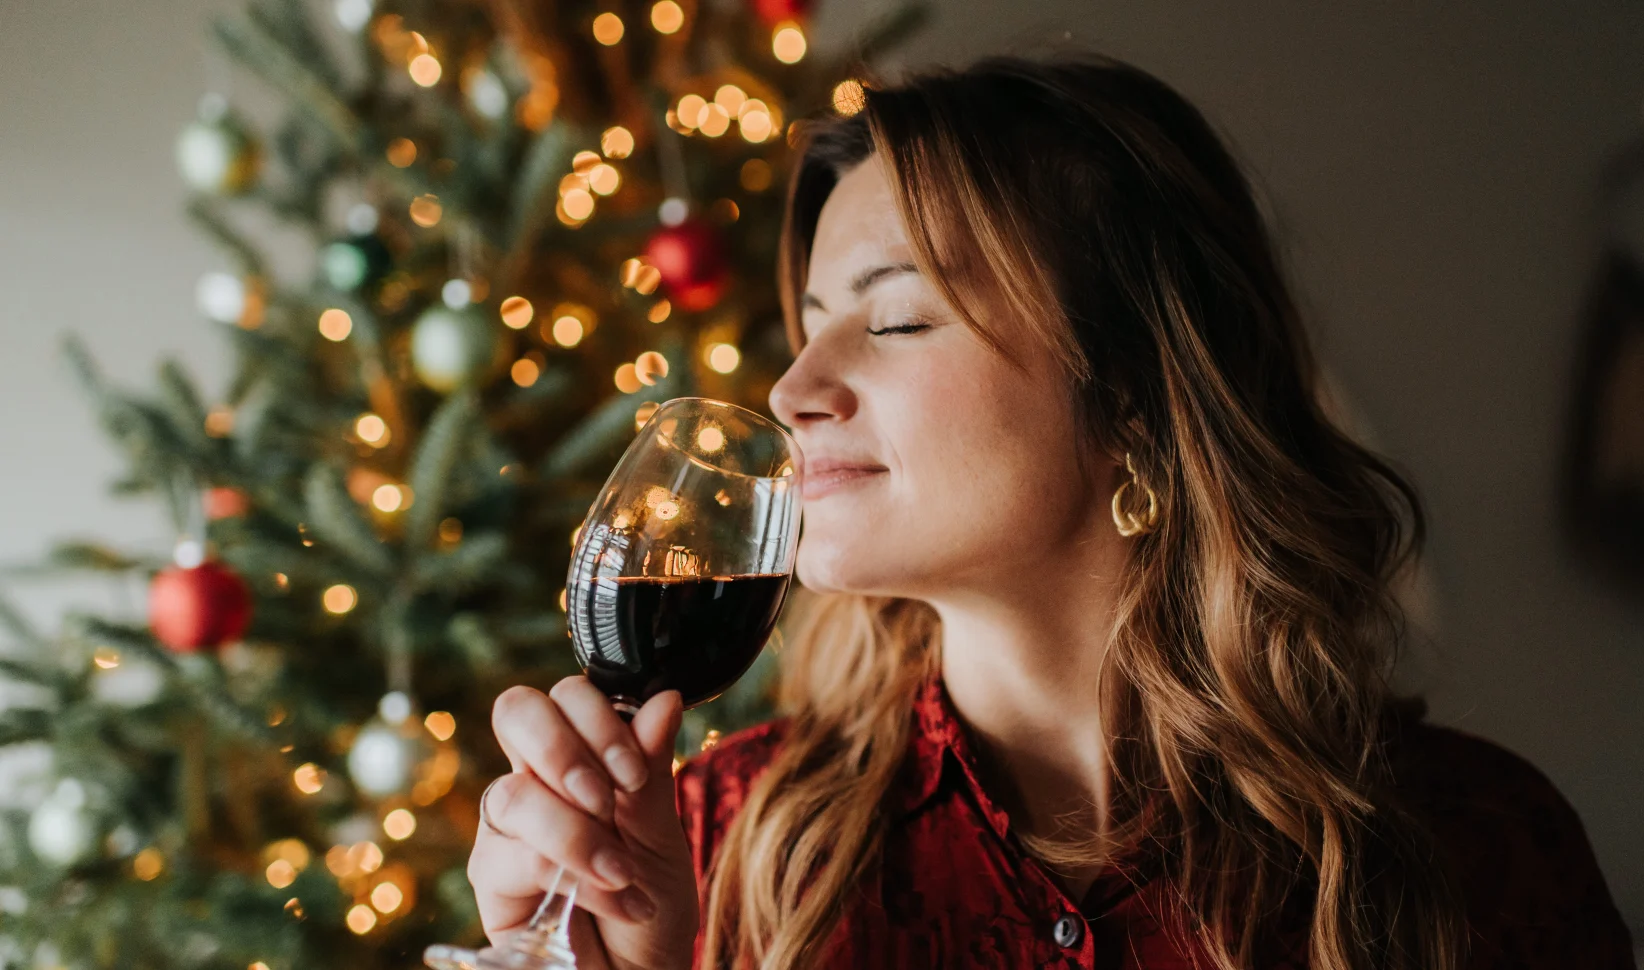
pixel 655 728
pixel 590 712
pixel 538 738
pixel 510 877
pixel 524 809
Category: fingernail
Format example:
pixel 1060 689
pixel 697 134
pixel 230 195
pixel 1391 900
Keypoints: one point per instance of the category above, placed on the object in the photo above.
pixel 626 767
pixel 613 868
pixel 587 789
pixel 638 905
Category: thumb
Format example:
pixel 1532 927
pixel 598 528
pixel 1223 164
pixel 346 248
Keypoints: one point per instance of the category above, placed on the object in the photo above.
pixel 656 728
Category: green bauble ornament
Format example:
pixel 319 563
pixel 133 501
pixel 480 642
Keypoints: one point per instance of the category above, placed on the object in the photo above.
pixel 356 262
pixel 216 153
pixel 450 348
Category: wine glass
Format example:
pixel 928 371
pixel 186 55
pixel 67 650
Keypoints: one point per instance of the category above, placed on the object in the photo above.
pixel 677 576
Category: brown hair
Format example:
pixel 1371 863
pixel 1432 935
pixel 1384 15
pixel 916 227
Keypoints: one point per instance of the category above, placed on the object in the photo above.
pixel 1244 691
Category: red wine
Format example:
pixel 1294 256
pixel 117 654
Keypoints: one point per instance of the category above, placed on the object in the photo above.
pixel 637 636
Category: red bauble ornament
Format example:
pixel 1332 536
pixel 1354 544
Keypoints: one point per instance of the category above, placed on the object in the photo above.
pixel 223 502
pixel 773 12
pixel 205 606
pixel 691 259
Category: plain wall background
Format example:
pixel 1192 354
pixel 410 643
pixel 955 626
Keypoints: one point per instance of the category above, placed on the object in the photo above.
pixel 1430 170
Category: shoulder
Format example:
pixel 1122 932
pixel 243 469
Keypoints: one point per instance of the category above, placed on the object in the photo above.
pixel 1516 848
pixel 710 788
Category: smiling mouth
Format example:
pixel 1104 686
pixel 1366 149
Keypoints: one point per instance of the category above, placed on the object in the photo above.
pixel 815 485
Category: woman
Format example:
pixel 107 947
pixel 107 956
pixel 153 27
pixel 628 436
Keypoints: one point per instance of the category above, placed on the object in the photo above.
pixel 1097 670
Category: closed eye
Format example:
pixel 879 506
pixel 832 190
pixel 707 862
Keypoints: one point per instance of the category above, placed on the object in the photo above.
pixel 900 328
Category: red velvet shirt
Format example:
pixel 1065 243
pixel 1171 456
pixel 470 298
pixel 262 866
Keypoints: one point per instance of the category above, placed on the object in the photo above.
pixel 954 888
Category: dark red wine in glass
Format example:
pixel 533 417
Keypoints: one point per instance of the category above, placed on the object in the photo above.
pixel 641 635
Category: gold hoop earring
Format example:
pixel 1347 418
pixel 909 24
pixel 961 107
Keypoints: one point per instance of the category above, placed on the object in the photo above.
pixel 1128 523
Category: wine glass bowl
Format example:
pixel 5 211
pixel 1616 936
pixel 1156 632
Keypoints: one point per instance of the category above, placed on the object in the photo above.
pixel 682 565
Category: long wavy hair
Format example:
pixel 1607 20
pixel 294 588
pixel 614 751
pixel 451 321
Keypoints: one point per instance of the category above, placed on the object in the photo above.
pixel 1245 693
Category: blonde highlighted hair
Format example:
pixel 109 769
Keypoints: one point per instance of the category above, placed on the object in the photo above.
pixel 1244 691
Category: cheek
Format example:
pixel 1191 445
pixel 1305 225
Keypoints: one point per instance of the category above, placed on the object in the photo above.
pixel 984 478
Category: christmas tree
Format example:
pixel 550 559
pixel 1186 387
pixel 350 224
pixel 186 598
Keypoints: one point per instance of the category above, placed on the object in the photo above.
pixel 531 222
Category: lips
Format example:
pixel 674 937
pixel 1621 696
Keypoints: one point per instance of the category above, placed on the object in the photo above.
pixel 824 475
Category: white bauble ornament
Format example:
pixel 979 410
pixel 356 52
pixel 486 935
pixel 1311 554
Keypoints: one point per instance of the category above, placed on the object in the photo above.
pixel 380 761
pixel 221 297
pixel 353 15
pixel 450 348
pixel 63 830
pixel 215 153
pixel 134 683
pixel 486 93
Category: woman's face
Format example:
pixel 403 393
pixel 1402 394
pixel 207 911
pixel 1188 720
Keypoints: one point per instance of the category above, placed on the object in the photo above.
pixel 931 465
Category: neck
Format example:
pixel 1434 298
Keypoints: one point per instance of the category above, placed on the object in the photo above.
pixel 1020 666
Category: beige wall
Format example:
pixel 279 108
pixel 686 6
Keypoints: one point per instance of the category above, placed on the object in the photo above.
pixel 1429 166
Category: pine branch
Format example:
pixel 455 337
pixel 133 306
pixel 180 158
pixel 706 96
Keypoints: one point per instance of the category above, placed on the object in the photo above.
pixel 202 688
pixel 290 23
pixel 203 210
pixel 534 195
pixel 431 470
pixel 464 566
pixel 598 435
pixel 262 53
pixel 335 518
pixel 13 621
pixel 183 407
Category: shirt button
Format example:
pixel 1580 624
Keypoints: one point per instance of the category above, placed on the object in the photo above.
pixel 1068 931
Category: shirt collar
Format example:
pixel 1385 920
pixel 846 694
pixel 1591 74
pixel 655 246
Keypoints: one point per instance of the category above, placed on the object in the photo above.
pixel 940 747
pixel 939 744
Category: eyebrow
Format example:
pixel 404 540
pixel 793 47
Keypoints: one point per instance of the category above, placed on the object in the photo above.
pixel 863 280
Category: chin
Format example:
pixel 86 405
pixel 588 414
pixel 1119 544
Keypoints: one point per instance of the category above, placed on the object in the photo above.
pixel 849 568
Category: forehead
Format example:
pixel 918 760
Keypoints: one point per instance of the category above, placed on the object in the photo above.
pixel 858 224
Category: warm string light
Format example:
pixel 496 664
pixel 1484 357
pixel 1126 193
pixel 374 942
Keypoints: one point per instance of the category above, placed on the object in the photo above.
pixel 848 97
pixel 425 70
pixel 399 824
pixel 339 599
pixel 640 275
pixel 441 724
pixel 667 17
pixel 371 429
pixel 788 42
pixel 723 358
pixel 616 142
pixel 425 210
pixel 361 920
pixel 219 422
pixel 402 152
pixel 516 312
pixel 525 372
pixel 627 380
pixel 567 331
pixel 335 325
pixel 650 367
pixel 390 498
pixel 309 778
pixel 659 311
pixel 148 864
pixel 608 29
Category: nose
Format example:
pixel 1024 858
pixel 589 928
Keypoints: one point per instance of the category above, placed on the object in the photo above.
pixel 812 391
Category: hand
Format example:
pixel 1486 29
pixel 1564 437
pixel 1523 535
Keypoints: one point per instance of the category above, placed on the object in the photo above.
pixel 597 796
